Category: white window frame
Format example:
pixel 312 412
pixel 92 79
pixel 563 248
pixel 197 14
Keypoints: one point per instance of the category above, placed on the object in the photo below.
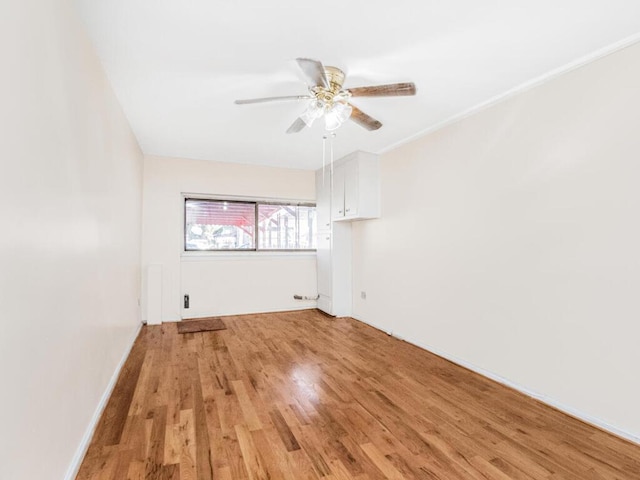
pixel 242 252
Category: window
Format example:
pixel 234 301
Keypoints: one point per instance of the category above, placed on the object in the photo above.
pixel 219 225
pixel 286 227
pixel 237 225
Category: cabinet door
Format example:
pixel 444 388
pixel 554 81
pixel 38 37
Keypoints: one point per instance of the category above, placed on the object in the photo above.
pixel 323 259
pixel 323 200
pixel 351 186
pixel 337 196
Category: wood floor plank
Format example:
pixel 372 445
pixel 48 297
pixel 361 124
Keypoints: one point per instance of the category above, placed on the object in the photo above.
pixel 286 435
pixel 382 462
pixel 302 396
pixel 187 446
pixel 253 460
pixel 246 405
pixel 155 457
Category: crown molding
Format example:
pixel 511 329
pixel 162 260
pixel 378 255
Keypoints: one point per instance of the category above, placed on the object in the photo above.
pixel 523 87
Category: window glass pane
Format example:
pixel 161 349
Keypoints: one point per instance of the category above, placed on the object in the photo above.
pixel 286 227
pixel 219 225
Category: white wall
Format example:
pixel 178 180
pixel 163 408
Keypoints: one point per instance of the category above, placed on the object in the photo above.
pixel 247 283
pixel 221 284
pixel 510 241
pixel 70 207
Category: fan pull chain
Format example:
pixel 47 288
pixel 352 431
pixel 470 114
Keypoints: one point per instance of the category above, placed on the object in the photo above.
pixel 324 148
pixel 333 136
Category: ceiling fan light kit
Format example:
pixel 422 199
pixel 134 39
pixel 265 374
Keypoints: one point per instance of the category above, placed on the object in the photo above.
pixel 328 99
pixel 337 115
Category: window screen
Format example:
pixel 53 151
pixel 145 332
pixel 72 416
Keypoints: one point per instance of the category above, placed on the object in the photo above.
pixel 219 225
pixel 286 227
pixel 233 225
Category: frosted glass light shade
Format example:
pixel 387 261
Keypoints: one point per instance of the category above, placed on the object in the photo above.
pixel 313 111
pixel 337 115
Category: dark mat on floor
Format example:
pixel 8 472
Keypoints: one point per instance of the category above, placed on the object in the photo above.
pixel 195 325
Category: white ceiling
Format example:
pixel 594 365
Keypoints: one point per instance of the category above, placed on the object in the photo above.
pixel 176 66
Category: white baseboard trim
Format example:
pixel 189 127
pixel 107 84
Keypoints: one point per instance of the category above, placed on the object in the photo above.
pixel 596 422
pixel 81 451
pixel 275 310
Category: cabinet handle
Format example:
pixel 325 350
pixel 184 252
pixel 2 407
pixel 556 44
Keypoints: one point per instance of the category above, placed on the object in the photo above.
pixel 348 209
pixel 339 211
pixel 328 224
pixel 328 238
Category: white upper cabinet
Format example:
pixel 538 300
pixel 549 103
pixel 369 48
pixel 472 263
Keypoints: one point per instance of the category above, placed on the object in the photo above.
pixel 337 192
pixel 351 189
pixel 356 187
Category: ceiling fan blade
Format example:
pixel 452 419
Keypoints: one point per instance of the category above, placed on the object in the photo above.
pixel 362 119
pixel 391 90
pixel 314 70
pixel 296 126
pixel 272 99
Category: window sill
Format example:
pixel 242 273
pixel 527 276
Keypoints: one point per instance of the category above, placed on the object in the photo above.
pixel 210 255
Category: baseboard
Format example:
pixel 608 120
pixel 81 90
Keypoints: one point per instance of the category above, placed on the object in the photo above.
pixel 277 310
pixel 583 417
pixel 81 451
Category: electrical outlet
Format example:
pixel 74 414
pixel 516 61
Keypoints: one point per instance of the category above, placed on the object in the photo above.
pixel 186 301
pixel 363 295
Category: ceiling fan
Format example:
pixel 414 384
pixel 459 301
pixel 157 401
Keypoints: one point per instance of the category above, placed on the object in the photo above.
pixel 327 98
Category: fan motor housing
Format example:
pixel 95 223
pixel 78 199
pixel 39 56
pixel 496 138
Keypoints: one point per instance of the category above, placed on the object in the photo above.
pixel 335 79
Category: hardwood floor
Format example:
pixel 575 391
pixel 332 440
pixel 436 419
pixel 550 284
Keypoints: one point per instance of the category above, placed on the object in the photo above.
pixel 300 395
